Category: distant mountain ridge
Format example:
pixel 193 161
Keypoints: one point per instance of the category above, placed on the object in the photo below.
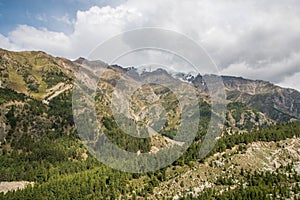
pixel 280 104
pixel 43 76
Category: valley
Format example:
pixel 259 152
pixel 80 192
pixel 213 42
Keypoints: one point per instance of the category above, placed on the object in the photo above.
pixel 256 156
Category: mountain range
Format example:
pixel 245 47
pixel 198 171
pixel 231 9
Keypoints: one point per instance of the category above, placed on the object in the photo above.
pixel 40 143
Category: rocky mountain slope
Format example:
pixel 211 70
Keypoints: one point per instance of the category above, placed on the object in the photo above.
pixel 40 77
pixel 39 141
pixel 280 104
pixel 36 76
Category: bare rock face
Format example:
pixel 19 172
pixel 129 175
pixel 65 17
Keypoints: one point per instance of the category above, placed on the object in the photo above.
pixel 297 167
pixel 13 186
pixel 280 104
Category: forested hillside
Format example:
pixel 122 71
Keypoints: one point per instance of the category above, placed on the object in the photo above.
pixel 256 157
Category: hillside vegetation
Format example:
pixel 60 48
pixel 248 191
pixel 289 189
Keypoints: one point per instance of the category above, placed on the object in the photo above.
pixel 256 157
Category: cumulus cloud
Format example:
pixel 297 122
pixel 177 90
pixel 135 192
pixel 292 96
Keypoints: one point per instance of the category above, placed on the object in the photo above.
pixel 27 37
pixel 96 25
pixel 258 39
pixel 7 44
pixel 91 28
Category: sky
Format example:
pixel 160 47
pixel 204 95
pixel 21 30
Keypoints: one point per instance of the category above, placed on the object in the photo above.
pixel 256 39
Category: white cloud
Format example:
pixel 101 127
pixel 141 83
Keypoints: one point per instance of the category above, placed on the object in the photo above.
pixel 6 44
pixel 27 37
pixel 90 29
pixel 258 39
pixel 292 81
pixel 96 25
pixel 277 71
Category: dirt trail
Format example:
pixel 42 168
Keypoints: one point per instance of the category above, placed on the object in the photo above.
pixel 55 91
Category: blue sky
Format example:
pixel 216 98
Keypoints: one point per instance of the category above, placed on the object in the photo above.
pixel 48 14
